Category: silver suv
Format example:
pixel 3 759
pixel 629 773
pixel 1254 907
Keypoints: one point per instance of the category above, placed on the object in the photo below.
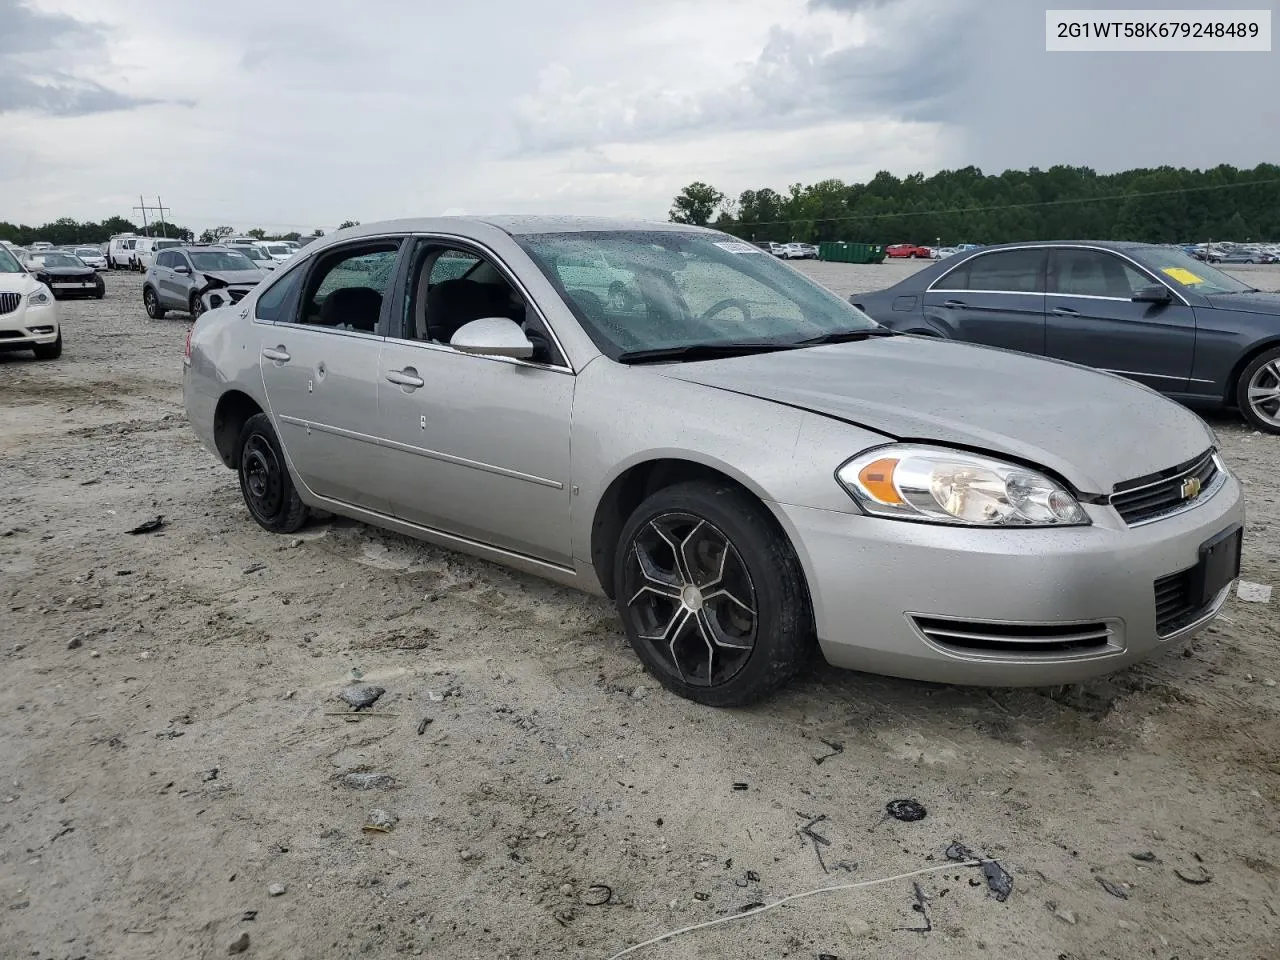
pixel 179 277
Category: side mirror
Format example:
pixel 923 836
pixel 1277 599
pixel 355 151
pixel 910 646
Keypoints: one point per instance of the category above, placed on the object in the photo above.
pixel 492 337
pixel 184 269
pixel 1156 293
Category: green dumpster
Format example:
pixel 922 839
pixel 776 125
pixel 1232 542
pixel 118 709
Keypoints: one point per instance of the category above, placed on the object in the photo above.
pixel 838 251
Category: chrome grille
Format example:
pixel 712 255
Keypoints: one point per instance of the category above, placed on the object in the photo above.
pixel 1150 498
pixel 1017 638
pixel 9 302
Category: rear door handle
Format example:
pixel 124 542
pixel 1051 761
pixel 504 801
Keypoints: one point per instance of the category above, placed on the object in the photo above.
pixel 408 377
pixel 954 303
pixel 1066 311
pixel 278 354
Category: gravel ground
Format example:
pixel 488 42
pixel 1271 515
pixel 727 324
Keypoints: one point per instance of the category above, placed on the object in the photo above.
pixel 172 743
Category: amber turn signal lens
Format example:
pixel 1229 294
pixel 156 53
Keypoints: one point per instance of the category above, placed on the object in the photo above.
pixel 877 480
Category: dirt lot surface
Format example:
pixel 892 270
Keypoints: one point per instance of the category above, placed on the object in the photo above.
pixel 171 745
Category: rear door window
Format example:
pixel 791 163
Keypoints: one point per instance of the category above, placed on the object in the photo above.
pixel 1005 271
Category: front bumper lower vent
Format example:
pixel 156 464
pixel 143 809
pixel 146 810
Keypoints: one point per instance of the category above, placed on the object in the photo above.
pixel 1033 639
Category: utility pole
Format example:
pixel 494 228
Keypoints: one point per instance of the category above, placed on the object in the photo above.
pixel 142 205
pixel 164 221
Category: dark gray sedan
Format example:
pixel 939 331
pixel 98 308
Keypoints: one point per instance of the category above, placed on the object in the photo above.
pixel 1149 313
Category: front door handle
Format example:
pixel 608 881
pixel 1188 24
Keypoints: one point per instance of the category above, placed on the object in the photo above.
pixel 1066 311
pixel 278 354
pixel 408 377
pixel 954 303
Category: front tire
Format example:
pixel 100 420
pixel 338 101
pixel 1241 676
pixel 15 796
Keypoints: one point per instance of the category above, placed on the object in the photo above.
pixel 151 302
pixel 49 351
pixel 1258 391
pixel 265 483
pixel 195 306
pixel 712 596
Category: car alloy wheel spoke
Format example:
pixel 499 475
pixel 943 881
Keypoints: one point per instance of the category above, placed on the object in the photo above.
pixel 691 599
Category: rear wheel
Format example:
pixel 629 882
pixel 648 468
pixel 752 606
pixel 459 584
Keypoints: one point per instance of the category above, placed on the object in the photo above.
pixel 152 304
pixel 265 483
pixel 711 595
pixel 1258 391
pixel 49 351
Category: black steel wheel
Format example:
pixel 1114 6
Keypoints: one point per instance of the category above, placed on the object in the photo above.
pixel 265 483
pixel 711 595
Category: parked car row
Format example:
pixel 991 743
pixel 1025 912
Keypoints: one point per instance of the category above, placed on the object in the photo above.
pixel 1094 521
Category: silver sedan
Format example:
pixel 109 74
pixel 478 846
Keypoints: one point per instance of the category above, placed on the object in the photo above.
pixel 751 468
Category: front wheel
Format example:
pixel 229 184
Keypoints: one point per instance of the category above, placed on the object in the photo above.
pixel 195 306
pixel 265 483
pixel 712 596
pixel 1258 391
pixel 49 351
pixel 151 301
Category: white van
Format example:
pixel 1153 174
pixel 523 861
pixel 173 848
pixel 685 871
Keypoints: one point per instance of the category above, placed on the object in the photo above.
pixel 120 251
pixel 145 250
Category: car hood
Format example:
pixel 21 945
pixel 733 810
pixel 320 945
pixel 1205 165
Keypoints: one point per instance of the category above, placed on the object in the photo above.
pixel 1093 429
pixel 18 283
pixel 235 278
pixel 1261 302
pixel 66 271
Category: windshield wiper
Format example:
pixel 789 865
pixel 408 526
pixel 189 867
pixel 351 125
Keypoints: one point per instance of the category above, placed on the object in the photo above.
pixel 704 351
pixel 847 336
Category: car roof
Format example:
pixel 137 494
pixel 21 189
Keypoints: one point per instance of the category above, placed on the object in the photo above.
pixel 1102 244
pixel 518 224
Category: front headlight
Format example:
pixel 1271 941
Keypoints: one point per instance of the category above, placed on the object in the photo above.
pixel 937 485
pixel 41 296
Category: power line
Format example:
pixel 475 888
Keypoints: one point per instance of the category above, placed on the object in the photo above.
pixel 1017 206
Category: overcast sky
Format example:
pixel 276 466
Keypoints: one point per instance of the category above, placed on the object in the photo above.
pixel 294 114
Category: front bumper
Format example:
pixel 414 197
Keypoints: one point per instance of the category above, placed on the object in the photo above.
pixel 30 324
pixel 880 587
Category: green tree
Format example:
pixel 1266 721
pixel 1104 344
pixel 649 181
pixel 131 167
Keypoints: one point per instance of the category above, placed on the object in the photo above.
pixel 347 223
pixel 257 233
pixel 696 203
pixel 216 234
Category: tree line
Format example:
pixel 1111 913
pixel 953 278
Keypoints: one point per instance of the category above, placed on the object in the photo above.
pixel 1156 205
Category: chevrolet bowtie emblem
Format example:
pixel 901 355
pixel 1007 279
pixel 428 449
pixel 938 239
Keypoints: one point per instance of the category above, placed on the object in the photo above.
pixel 1190 487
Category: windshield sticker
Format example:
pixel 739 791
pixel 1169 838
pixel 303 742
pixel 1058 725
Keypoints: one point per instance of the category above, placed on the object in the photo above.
pixel 1183 276
pixel 737 246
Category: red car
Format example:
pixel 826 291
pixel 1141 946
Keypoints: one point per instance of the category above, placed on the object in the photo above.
pixel 909 250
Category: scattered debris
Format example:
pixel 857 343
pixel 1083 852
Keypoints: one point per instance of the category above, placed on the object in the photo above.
pixel 151 526
pixel 360 696
pixel 364 780
pixel 836 748
pixel 1063 914
pixel 1145 857
pixel 1113 888
pixel 254 568
pixel 74 643
pixel 380 821
pixel 277 890
pixel 239 945
pixel 858 928
pixel 816 838
pixel 702 897
pixel 422 727
pixel 999 880
pixel 740 785
pixel 249 915
pixel 921 906
pixel 750 877
pixel 210 774
pixel 907 811
pixel 1253 592
pixel 639 693
pixel 597 895
pixel 1199 878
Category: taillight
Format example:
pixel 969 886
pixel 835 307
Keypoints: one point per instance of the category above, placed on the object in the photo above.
pixel 186 350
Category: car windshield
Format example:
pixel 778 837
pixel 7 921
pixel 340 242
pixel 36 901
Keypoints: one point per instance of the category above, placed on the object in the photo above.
pixel 1191 274
pixel 222 260
pixel 253 253
pixel 278 249
pixel 638 291
pixel 9 263
pixel 53 259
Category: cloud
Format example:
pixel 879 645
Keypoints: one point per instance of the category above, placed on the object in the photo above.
pixel 34 47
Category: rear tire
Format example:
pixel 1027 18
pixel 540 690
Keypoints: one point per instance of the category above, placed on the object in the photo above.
pixel 727 620
pixel 49 351
pixel 265 483
pixel 1258 391
pixel 151 302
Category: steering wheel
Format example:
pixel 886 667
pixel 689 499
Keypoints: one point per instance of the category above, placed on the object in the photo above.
pixel 725 304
